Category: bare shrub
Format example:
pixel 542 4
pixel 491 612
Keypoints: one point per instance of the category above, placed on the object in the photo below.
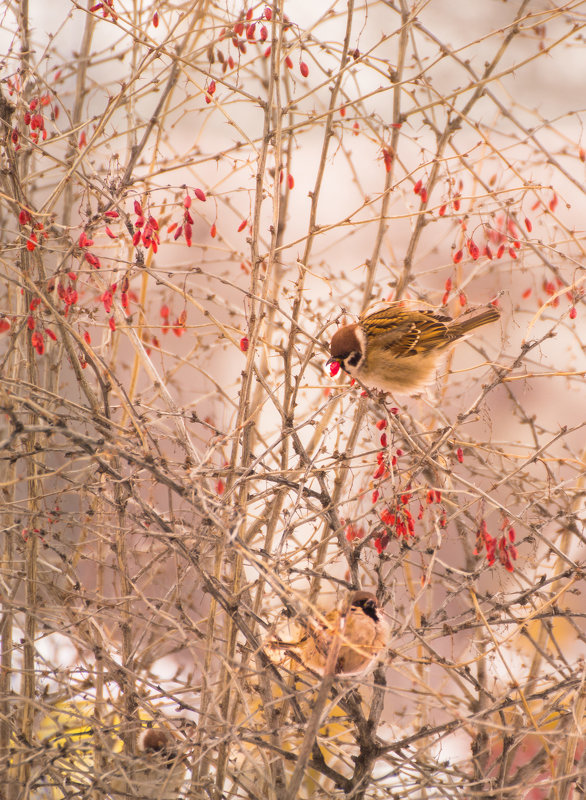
pixel 193 197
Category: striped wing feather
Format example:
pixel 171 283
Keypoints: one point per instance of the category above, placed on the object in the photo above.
pixel 409 333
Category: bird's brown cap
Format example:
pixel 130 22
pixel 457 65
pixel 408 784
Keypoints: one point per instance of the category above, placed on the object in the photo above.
pixel 344 341
pixel 361 597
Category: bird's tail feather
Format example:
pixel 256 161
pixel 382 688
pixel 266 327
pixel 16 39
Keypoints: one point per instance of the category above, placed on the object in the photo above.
pixel 475 319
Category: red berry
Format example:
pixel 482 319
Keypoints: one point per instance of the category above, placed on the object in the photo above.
pixel 200 195
pixel 304 69
pixel 244 344
pixel 387 152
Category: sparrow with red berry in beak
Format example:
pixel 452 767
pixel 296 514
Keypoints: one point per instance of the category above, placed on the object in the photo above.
pixel 398 349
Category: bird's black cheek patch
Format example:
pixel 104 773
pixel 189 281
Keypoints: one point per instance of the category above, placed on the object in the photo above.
pixel 354 358
pixel 369 609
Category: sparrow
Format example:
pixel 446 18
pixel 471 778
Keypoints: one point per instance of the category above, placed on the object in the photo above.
pixel 398 349
pixel 159 743
pixel 155 772
pixel 364 636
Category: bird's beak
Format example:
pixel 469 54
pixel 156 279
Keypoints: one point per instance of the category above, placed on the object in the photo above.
pixel 334 365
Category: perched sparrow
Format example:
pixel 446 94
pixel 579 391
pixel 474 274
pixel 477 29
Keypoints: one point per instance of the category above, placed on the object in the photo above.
pixel 155 772
pixel 398 349
pixel 160 743
pixel 364 636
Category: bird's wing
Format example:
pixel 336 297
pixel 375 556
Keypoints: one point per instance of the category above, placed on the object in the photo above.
pixel 408 334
